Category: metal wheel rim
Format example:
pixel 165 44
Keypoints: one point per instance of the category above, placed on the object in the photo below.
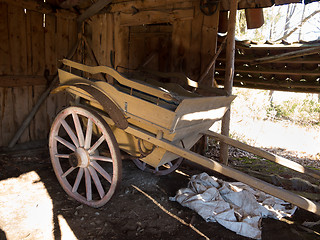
pixel 90 174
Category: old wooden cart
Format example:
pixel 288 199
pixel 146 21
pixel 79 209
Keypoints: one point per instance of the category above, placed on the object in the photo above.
pixel 156 124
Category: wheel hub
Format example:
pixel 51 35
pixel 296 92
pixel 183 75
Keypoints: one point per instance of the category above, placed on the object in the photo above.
pixel 79 158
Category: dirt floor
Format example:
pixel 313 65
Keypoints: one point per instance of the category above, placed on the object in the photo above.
pixel 34 206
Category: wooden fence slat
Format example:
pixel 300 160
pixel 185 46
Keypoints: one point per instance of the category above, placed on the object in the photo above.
pixel 4 39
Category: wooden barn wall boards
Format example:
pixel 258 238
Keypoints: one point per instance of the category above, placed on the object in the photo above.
pixel 31 45
pixel 182 38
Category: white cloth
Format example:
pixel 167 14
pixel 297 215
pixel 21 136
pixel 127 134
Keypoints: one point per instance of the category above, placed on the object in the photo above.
pixel 236 206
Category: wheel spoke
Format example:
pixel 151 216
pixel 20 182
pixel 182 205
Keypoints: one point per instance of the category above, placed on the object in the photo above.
pixel 96 181
pixel 62 155
pixel 68 172
pixel 77 124
pixel 88 184
pixel 101 171
pixel 78 180
pixel 87 141
pixel 170 164
pixel 65 142
pixel 101 158
pixel 96 145
pixel 70 132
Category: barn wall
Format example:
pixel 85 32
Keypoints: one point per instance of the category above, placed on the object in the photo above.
pixel 178 29
pixel 31 44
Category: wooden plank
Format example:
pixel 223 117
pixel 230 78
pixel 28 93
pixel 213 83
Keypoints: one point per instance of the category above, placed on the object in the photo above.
pixel 181 42
pixel 280 72
pixel 154 17
pixel 128 6
pixel 34 5
pixel 269 156
pixel 4 39
pixel 121 45
pixel 37 43
pixel 7 118
pixel 62 42
pixel 50 44
pixel 1 113
pixel 40 119
pixel 194 63
pixel 22 80
pixel 17 43
pixel 229 172
pixel 209 45
pixel 21 110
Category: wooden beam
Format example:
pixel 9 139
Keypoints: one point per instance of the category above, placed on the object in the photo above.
pixel 155 16
pixel 22 80
pixel 227 171
pixel 92 10
pixel 260 70
pixel 287 55
pixel 269 156
pixel 228 82
pixel 34 5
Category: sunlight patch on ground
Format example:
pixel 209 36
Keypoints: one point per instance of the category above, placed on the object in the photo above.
pixel 66 232
pixel 26 210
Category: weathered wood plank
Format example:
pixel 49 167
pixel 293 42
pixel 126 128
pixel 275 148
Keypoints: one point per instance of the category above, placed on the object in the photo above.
pixel 209 44
pixel 21 80
pixel 50 44
pixel 181 42
pixel 35 5
pixel 4 39
pixel 129 6
pixel 37 43
pixel 7 119
pixel 194 63
pixel 17 43
pixel 62 42
pixel 1 113
pixel 121 45
pixel 40 119
pixel 154 16
pixel 21 110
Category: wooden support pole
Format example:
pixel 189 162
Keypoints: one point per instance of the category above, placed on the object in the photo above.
pixel 228 81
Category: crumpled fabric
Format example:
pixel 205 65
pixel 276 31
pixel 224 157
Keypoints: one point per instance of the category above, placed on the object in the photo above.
pixel 235 205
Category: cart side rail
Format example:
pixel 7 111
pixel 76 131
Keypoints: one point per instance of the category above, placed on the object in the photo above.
pixel 157 92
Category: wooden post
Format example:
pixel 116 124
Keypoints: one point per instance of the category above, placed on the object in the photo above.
pixel 228 81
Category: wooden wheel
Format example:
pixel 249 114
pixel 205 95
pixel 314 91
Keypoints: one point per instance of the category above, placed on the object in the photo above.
pixel 83 148
pixel 161 170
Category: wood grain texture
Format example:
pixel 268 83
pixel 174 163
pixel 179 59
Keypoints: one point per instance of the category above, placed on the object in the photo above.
pixel 4 39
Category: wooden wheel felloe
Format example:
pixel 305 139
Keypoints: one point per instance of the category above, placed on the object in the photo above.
pixel 85 156
pixel 161 170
